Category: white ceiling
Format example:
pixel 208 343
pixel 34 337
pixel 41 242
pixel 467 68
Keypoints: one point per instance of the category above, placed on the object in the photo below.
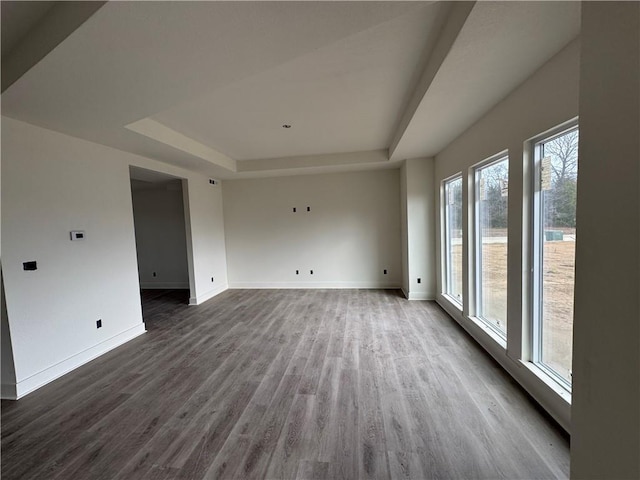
pixel 144 175
pixel 501 45
pixel 344 96
pixel 208 85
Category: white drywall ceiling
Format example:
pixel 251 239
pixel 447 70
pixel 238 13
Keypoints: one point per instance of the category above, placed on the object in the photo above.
pixel 208 85
pixel 499 47
pixel 342 97
pixel 149 176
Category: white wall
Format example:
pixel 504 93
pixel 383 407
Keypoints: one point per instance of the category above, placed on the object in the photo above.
pixel 351 234
pixel 52 184
pixel 404 233
pixel 161 242
pixel 605 440
pixel 418 205
pixel 548 98
pixel 205 227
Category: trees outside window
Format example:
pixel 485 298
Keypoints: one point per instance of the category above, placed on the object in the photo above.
pixel 491 243
pixel 554 252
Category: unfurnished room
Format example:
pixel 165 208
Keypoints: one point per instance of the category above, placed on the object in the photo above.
pixel 320 240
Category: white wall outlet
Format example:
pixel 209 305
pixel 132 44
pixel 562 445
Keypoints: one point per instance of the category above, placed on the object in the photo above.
pixel 77 235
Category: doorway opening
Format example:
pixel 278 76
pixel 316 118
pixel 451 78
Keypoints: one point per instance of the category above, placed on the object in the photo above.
pixel 162 239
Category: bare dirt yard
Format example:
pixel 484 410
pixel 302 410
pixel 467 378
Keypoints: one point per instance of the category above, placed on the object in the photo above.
pixel 558 271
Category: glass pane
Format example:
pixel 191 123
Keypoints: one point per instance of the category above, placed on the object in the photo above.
pixel 453 238
pixel 491 199
pixel 558 186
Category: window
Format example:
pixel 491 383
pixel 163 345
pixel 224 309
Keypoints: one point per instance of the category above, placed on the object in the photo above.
pixel 452 201
pixel 554 232
pixel 491 194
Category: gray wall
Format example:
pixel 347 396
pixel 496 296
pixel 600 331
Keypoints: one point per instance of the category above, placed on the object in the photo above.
pixel 8 368
pixel 158 213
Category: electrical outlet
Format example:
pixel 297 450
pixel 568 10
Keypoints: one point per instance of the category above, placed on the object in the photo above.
pixel 77 235
pixel 155 274
pixel 212 279
pixel 297 272
pixel 385 271
pixel 294 209
pixel 311 272
pixel 419 280
pixel 99 324
pixel 308 209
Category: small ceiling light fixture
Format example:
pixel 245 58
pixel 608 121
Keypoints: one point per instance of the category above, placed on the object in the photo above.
pixel 286 125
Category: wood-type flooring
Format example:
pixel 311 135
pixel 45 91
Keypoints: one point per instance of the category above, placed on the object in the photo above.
pixel 285 384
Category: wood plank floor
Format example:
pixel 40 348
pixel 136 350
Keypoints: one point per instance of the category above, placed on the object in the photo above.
pixel 285 384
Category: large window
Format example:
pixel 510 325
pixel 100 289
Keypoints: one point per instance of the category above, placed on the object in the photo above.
pixel 491 194
pixel 452 202
pixel 554 213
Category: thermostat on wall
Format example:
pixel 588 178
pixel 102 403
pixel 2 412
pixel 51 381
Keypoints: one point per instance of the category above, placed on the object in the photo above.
pixel 77 235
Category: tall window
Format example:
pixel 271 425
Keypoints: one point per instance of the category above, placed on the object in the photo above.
pixel 491 194
pixel 453 239
pixel 556 173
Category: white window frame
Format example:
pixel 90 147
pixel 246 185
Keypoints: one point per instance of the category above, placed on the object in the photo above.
pixel 536 259
pixel 477 242
pixel 446 241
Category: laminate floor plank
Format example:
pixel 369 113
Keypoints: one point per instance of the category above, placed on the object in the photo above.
pixel 291 446
pixel 209 441
pixel 45 448
pixel 421 383
pixel 346 454
pixel 372 461
pixel 230 456
pixel 323 418
pixel 520 408
pixel 66 391
pixel 285 384
pixel 312 470
pixel 256 461
pixel 112 448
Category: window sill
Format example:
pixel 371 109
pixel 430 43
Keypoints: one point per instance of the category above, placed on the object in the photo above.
pixel 490 332
pixel 548 380
pixel 452 301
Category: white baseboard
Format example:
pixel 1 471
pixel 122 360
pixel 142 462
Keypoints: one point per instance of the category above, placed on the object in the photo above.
pixel 207 296
pixel 164 285
pixel 418 295
pixel 29 384
pixel 421 296
pixel 312 285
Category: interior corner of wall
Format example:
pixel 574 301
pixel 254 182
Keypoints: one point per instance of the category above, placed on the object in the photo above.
pixel 8 391
pixel 200 299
